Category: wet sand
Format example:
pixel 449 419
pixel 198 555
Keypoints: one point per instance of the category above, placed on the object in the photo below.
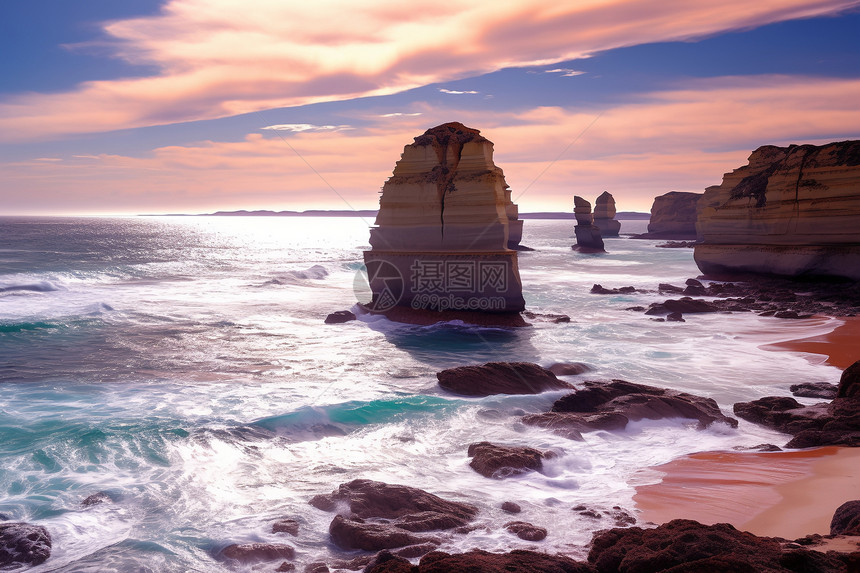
pixel 779 494
pixel 841 346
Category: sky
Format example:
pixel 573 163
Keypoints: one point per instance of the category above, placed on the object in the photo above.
pixel 195 106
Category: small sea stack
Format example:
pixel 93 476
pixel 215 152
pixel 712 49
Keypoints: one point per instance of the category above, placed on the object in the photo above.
pixel 604 215
pixel 588 238
pixel 445 232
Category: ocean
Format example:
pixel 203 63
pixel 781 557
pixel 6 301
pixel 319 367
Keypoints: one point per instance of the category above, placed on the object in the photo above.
pixel 181 366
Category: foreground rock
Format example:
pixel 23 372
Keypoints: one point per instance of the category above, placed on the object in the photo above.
pixel 604 215
pixel 494 461
pixel 685 546
pixel 588 238
pixel 673 216
pixel 339 317
pixel 790 211
pixel 846 519
pixel 383 516
pixel 445 229
pixel 611 405
pixel 836 423
pixel 499 378
pixel 23 544
pixel 518 561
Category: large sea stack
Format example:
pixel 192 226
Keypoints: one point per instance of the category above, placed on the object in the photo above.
pixel 791 211
pixel 445 230
pixel 588 238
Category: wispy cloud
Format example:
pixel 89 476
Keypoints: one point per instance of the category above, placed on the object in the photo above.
pixel 455 92
pixel 225 58
pixel 301 127
pixel 565 72
pixel 400 114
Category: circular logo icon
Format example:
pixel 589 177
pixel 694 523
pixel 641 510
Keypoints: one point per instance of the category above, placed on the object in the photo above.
pixel 381 282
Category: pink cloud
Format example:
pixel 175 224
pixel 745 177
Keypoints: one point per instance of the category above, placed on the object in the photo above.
pixel 221 57
pixel 683 139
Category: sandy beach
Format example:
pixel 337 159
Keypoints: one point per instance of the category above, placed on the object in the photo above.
pixel 840 346
pixel 782 494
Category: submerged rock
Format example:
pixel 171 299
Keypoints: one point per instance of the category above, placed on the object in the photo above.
pixel 356 533
pixel 256 552
pixel 494 461
pixel 23 544
pixel 814 390
pixel 569 368
pixel 499 378
pixel 526 531
pixel 96 499
pixel 790 211
pixel 290 526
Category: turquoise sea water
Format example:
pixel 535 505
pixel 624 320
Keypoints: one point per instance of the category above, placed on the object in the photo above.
pixel 182 366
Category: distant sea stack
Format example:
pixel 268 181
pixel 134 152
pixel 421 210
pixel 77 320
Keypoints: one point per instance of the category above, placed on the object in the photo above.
pixel 445 230
pixel 604 215
pixel 673 216
pixel 588 238
pixel 790 211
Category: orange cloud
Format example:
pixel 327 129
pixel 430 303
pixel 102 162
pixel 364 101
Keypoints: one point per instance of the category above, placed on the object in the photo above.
pixel 223 57
pixel 675 140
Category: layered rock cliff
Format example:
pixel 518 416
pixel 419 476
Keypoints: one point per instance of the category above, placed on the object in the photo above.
pixel 673 216
pixel 790 211
pixel 446 194
pixel 445 229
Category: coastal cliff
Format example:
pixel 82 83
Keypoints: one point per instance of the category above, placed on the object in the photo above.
pixel 790 211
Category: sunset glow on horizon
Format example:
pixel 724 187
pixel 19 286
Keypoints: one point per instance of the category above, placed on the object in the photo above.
pixel 195 106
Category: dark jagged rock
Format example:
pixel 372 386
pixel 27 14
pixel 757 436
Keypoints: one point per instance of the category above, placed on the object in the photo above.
pixel 849 383
pixel 685 546
pixel 814 390
pixel 339 317
pixel 285 567
pixel 494 461
pixel 366 498
pixel 526 531
pixel 23 544
pixel 619 400
pixel 598 289
pixel 477 561
pixel 684 305
pixel 95 499
pixel 356 533
pixel 569 368
pixel 290 526
pixel 836 423
pixel 546 317
pixel 846 519
pixel 511 507
pixel 385 516
pixel 256 552
pixel 387 562
pixel 675 317
pixel 499 378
